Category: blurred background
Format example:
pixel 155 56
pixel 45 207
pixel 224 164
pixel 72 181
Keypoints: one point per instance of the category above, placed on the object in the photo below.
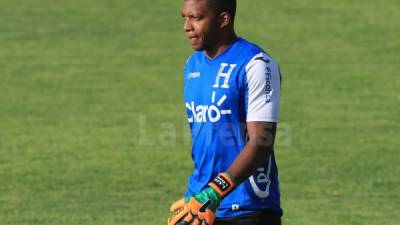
pixel 92 120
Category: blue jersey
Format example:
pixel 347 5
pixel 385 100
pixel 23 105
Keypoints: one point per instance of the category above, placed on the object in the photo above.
pixel 240 85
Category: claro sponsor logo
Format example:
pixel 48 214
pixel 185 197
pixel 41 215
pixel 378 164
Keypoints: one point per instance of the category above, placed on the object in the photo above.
pixel 206 113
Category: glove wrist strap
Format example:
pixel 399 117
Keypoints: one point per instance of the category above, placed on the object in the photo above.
pixel 223 184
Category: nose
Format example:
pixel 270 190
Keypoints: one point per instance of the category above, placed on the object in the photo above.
pixel 187 26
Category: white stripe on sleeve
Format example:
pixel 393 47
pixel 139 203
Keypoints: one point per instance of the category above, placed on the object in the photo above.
pixel 263 87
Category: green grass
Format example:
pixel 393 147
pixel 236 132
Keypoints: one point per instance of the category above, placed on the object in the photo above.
pixel 78 79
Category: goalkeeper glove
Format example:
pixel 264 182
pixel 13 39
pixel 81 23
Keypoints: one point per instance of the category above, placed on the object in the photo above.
pixel 202 207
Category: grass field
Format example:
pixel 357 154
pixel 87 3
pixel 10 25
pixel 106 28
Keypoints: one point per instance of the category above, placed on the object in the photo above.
pixel 92 124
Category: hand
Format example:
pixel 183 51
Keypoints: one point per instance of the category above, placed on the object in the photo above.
pixel 177 206
pixel 201 208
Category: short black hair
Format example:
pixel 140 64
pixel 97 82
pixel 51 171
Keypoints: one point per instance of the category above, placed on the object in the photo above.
pixel 220 6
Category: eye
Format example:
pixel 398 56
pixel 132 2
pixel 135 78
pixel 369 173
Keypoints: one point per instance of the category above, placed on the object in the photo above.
pixel 197 18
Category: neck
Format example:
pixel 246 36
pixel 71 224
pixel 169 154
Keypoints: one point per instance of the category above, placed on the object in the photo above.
pixel 221 45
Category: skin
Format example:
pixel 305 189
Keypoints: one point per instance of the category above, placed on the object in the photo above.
pixel 205 29
pixel 214 33
pixel 256 151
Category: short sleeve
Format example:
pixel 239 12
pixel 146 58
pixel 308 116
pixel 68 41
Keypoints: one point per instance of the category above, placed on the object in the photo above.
pixel 263 89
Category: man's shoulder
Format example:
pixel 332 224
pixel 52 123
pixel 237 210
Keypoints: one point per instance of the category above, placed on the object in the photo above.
pixel 249 46
pixel 248 51
pixel 254 52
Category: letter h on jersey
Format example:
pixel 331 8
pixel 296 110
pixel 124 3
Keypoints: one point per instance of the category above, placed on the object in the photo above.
pixel 225 75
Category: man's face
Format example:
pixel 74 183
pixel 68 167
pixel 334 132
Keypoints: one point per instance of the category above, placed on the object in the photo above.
pixel 200 24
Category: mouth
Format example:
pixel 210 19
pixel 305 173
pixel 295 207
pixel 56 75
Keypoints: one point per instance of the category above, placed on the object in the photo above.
pixel 194 39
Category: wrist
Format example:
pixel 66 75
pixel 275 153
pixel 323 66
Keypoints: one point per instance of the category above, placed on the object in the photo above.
pixel 223 184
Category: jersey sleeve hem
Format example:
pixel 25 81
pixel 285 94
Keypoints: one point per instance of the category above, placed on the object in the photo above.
pixel 263 119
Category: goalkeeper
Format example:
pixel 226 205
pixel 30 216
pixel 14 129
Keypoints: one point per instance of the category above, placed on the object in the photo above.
pixel 232 98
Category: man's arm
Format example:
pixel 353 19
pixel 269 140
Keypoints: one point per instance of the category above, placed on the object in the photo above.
pixel 256 151
pixel 263 89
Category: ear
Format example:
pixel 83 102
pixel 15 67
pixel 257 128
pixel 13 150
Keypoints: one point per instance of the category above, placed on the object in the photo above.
pixel 225 19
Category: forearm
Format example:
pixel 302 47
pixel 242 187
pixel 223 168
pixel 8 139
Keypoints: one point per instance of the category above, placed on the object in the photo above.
pixel 256 151
pixel 247 162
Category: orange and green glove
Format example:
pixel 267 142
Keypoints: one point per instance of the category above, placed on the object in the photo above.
pixel 177 205
pixel 201 208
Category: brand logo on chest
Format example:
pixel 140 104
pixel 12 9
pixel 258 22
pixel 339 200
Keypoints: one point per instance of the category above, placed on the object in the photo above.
pixel 205 113
pixel 193 75
pixel 212 112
